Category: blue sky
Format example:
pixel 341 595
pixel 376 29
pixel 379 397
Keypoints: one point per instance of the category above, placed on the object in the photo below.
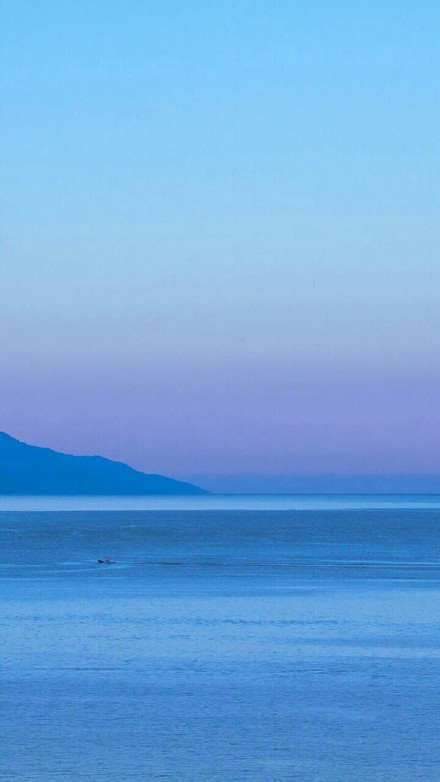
pixel 220 233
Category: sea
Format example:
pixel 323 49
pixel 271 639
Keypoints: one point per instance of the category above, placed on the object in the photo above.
pixel 233 638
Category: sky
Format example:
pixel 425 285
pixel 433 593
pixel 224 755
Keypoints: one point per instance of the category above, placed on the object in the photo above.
pixel 220 233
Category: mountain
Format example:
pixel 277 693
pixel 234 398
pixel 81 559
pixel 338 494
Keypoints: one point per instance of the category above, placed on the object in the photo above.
pixel 27 469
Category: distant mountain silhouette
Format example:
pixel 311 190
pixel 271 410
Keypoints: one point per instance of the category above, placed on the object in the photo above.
pixel 27 469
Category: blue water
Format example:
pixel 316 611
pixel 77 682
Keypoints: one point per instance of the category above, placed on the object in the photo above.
pixel 223 644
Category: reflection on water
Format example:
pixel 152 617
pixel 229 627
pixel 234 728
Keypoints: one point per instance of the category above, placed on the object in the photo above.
pixel 221 502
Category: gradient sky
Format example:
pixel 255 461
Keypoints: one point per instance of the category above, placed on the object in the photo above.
pixel 220 233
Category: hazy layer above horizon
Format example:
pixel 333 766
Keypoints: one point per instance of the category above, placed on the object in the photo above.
pixel 317 484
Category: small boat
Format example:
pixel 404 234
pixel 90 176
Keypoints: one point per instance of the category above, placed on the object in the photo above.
pixel 107 561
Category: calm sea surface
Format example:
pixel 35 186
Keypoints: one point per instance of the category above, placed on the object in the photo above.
pixel 267 639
